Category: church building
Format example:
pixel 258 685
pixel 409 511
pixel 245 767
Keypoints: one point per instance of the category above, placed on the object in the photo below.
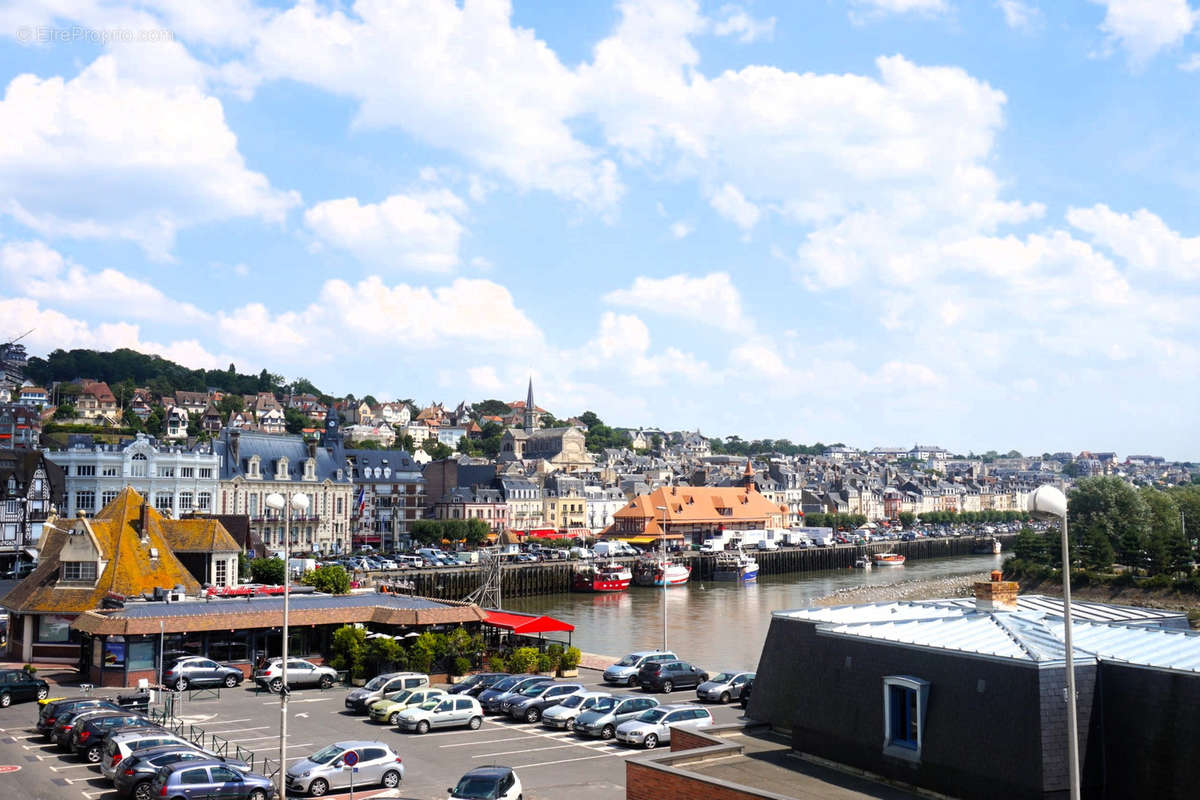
pixel 562 448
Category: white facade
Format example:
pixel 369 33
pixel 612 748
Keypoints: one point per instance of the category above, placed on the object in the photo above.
pixel 601 505
pixel 173 480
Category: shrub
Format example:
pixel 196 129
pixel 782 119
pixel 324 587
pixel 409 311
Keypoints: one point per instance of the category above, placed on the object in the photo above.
pixel 544 662
pixel 555 652
pixel 570 658
pixel 385 654
pixel 267 570
pixel 349 649
pixel 330 579
pixel 1157 582
pixel 461 665
pixel 1123 579
pixel 523 659
pixel 30 668
pixel 497 663
pixel 424 651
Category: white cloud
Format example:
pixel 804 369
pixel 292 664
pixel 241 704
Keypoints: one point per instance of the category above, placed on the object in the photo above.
pixel 866 10
pixel 733 20
pixel 1019 15
pixel 1145 27
pixel 485 379
pixel 731 204
pixel 1140 239
pixel 681 229
pixel 711 300
pixel 418 231
pixel 760 359
pixel 43 274
pixel 463 79
pixel 153 150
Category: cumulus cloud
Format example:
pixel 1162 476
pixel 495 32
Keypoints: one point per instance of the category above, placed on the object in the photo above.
pixel 733 206
pixel 711 300
pixel 1141 239
pixel 44 274
pixel 153 150
pixel 1019 15
pixel 867 10
pixel 1143 28
pixel 421 230
pixel 733 20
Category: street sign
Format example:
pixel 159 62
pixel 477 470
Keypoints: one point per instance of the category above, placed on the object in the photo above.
pixel 350 758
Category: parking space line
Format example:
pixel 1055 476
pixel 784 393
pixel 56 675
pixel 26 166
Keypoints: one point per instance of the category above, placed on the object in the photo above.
pixel 526 750
pixel 207 723
pixel 569 760
pixel 71 766
pixel 225 734
pixel 485 741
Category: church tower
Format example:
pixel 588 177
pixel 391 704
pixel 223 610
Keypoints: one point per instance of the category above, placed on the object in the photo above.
pixel 530 410
pixel 331 436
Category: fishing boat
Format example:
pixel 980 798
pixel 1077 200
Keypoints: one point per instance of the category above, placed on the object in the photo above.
pixel 612 577
pixel 888 560
pixel 654 571
pixel 735 565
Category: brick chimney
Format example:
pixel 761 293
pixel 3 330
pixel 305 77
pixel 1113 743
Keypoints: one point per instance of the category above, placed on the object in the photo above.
pixel 142 520
pixel 996 594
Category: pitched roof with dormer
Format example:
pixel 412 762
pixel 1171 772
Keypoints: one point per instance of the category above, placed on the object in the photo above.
pixel 699 504
pixel 137 558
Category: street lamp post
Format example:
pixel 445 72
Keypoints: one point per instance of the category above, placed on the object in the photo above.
pixel 663 509
pixel 1048 502
pixel 299 502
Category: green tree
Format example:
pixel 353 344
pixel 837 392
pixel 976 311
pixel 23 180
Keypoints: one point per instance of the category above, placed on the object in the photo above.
pixel 405 442
pixel 385 654
pixel 1115 508
pixel 348 646
pixel 422 652
pixel 156 422
pixel 267 570
pixel 131 420
pixel 476 533
pixel 65 411
pixel 1095 551
pixel 1031 547
pixel 436 450
pixel 523 659
pixel 230 404
pixel 427 532
pixel 195 421
pixel 295 420
pixel 330 579
pixel 907 518
pixel 492 408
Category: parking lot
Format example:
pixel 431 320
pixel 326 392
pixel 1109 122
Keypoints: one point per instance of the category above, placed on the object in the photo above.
pixel 551 764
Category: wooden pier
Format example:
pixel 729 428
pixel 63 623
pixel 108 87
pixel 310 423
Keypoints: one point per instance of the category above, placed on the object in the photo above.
pixel 553 577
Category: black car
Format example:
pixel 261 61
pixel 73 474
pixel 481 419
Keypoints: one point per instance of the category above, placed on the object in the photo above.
pixel 201 671
pixel 87 740
pixel 744 700
pixel 477 683
pixel 17 684
pixel 50 712
pixel 666 676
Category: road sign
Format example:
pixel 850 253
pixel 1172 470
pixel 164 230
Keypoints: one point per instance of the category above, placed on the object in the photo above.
pixel 350 759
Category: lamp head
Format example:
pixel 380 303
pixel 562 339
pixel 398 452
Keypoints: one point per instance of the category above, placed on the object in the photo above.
pixel 300 501
pixel 274 501
pixel 1047 502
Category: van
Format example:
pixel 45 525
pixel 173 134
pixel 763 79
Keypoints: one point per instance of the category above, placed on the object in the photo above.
pixel 713 545
pixel 767 544
pixel 613 549
pixel 359 700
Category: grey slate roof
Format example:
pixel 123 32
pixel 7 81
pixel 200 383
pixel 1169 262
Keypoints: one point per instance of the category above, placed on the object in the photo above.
pixel 331 462
pixel 372 466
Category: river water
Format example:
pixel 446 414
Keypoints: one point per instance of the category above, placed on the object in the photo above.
pixel 718 626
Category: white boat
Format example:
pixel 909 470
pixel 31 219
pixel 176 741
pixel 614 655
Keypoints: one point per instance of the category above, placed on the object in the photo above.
pixel 735 566
pixel 863 563
pixel 888 560
pixel 651 572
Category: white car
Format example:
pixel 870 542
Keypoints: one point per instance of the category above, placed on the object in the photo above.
pixel 653 727
pixel 444 712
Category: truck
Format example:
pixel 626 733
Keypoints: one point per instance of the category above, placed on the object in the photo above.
pixel 610 549
pixel 797 537
pixel 821 537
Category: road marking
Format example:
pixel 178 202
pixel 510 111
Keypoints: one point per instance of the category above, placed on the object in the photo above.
pixel 569 760
pixel 290 702
pixel 526 750
pixel 71 766
pixel 485 741
pixel 225 734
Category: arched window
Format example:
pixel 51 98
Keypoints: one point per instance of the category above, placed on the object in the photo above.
pixel 137 465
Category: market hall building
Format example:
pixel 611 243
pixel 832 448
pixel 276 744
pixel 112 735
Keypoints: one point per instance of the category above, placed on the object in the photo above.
pixel 967 698
pixel 113 592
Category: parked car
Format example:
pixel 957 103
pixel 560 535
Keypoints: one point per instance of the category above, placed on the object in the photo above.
pixel 531 702
pixel 120 746
pixel 17 684
pixel 135 776
pixel 492 699
pixel 87 740
pixel 200 671
pixel 724 686
pixel 666 676
pixel 653 727
pixel 209 779
pixel 477 683
pixel 50 713
pixel 300 673
pixel 70 720
pixel 324 769
pixel 744 700
pixel 604 717
pixel 22 570
pixel 563 715
pixel 388 709
pixel 487 783
pixel 625 671
pixel 359 700
pixel 442 712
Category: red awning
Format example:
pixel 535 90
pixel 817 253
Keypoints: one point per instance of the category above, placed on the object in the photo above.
pixel 526 624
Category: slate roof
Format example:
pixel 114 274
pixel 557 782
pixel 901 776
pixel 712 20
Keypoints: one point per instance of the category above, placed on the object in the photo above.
pixel 270 448
pixel 400 462
pixel 130 570
pixel 22 465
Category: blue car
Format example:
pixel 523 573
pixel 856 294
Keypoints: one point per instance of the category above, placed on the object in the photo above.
pixel 187 780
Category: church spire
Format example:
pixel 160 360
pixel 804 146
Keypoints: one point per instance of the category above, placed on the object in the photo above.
pixel 530 409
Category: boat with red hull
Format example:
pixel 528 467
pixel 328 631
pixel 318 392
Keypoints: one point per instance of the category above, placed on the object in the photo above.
pixel 602 578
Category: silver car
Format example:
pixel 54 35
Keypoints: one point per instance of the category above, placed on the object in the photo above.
pixel 724 686
pixel 652 728
pixel 442 712
pixel 625 671
pixel 530 704
pixel 604 717
pixel 562 716
pixel 299 673
pixel 326 768
pixel 360 700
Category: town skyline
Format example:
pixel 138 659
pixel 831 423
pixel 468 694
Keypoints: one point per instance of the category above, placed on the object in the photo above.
pixel 967 223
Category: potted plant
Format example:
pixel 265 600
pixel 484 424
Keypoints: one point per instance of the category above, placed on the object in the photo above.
pixel 568 666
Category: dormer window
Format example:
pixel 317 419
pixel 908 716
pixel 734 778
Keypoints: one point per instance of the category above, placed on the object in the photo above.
pixel 281 469
pixel 78 571
pixel 252 467
pixel 310 469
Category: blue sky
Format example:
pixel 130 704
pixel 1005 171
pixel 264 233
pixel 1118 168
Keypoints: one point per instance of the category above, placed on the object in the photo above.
pixel 869 221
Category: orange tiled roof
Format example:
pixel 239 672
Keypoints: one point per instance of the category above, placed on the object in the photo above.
pixel 699 504
pixel 129 571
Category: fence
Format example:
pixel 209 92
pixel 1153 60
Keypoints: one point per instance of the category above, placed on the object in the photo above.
pixel 163 714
